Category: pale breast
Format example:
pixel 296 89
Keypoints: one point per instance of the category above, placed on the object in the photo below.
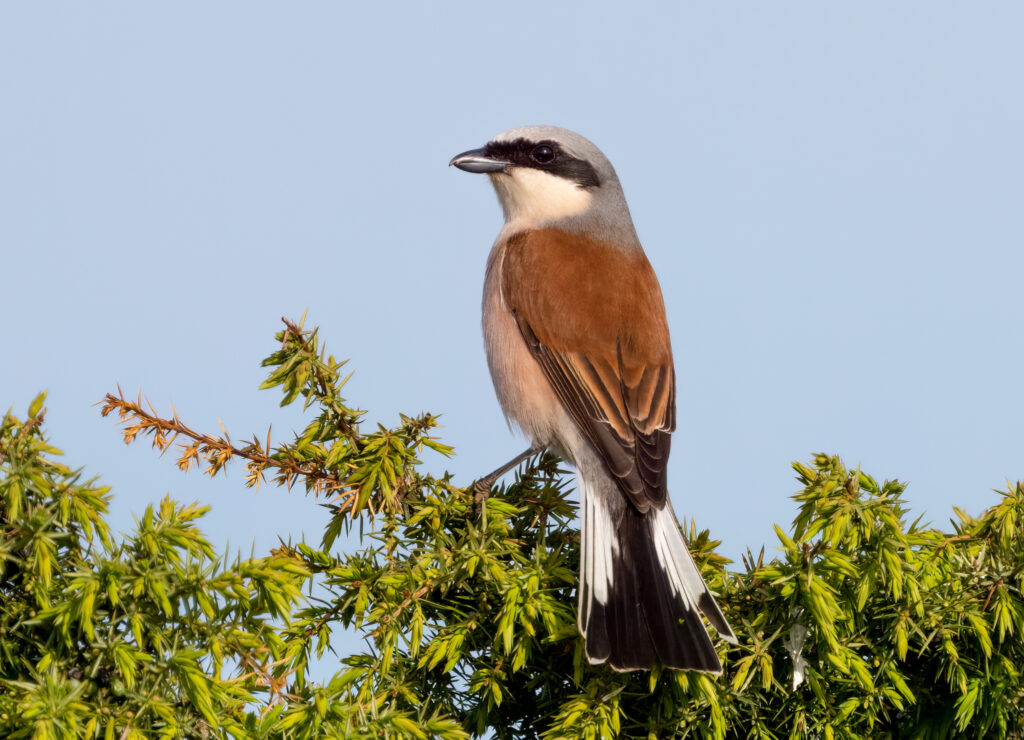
pixel 523 390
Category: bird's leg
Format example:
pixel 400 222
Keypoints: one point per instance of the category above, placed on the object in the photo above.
pixel 482 487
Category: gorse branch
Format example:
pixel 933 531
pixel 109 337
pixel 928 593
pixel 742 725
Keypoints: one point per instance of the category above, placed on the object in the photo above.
pixel 216 452
pixel 355 472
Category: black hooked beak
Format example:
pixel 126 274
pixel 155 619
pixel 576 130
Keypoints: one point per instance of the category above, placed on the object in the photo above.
pixel 477 160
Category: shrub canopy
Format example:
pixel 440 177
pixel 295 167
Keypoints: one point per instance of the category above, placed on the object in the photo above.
pixel 864 624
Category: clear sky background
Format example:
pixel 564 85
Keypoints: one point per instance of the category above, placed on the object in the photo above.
pixel 831 193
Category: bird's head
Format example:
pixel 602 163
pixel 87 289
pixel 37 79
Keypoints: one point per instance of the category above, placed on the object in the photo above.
pixel 550 176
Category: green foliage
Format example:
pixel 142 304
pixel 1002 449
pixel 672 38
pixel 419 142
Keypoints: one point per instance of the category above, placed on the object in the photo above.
pixel 865 625
pixel 123 639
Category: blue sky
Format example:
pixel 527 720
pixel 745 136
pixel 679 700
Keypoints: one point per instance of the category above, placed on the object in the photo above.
pixel 832 196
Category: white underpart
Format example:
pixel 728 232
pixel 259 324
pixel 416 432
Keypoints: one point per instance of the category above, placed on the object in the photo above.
pixel 794 645
pixel 674 556
pixel 601 547
pixel 531 198
pixel 600 542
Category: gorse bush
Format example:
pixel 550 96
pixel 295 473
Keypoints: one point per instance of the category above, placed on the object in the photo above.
pixel 123 639
pixel 865 624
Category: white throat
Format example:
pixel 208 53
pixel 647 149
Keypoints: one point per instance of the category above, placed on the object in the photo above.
pixel 531 197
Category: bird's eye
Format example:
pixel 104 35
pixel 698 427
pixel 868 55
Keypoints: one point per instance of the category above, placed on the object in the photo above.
pixel 542 154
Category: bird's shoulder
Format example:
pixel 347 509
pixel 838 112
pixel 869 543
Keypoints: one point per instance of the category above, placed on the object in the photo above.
pixel 582 294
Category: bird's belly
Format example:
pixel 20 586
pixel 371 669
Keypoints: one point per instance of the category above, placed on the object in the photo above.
pixel 523 390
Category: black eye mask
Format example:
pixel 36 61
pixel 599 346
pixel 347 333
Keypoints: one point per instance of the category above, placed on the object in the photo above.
pixel 546 156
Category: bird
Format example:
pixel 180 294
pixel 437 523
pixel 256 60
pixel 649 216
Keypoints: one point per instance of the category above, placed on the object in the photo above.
pixel 578 348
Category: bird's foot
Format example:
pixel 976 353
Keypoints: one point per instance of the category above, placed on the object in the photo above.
pixel 482 487
pixel 481 491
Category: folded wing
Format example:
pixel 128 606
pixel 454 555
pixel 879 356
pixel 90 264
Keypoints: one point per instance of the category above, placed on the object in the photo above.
pixel 592 315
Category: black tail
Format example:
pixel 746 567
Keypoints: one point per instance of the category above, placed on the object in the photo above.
pixel 641 593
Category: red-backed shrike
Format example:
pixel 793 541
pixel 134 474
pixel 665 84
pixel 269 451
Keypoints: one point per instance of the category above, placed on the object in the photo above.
pixel 578 348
